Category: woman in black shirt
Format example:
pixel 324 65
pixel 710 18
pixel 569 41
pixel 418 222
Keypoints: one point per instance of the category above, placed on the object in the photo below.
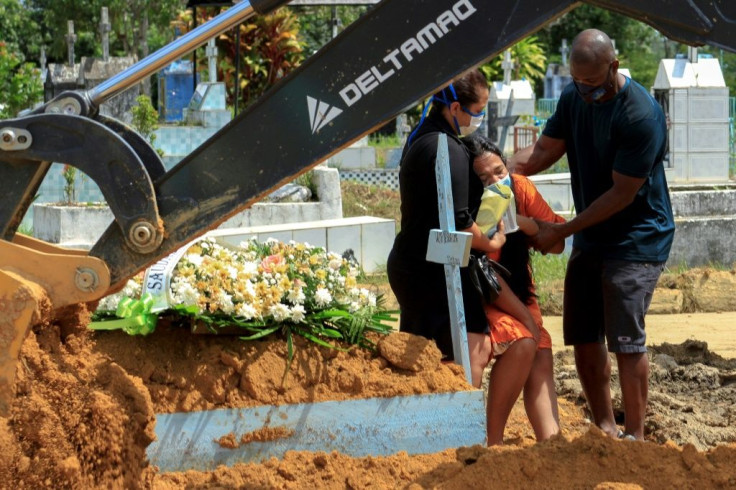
pixel 419 286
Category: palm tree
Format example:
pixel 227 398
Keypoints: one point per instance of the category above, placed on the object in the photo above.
pixel 529 58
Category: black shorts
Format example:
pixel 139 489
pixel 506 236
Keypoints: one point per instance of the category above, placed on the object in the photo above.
pixel 608 299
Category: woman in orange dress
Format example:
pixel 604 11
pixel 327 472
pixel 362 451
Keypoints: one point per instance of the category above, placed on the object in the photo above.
pixel 520 362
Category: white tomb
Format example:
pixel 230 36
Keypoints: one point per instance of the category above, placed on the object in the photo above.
pixel 694 96
pixel 518 94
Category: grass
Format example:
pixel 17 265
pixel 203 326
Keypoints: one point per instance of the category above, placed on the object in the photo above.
pixel 549 268
pixel 382 144
pixel 560 166
pixel 380 141
pixel 370 200
pixel 307 180
pixel 549 274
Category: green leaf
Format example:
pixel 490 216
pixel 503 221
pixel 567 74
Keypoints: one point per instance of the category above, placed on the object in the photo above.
pixel 261 334
pixel 319 341
pixel 328 332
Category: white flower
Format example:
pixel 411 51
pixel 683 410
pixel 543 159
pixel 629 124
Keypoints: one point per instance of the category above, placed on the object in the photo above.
pixel 335 263
pixel 298 314
pixel 183 293
pixel 250 268
pixel 295 296
pixel 110 303
pixel 279 312
pixel 245 310
pixel 224 303
pixel 194 259
pixel 322 297
pixel 132 289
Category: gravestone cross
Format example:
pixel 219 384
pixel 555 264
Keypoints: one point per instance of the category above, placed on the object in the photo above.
pixel 71 38
pixel 105 33
pixel 564 50
pixel 211 52
pixel 508 67
pixel 507 121
pixel 451 248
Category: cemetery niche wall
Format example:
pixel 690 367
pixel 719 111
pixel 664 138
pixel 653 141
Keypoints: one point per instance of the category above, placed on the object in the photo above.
pixel 694 97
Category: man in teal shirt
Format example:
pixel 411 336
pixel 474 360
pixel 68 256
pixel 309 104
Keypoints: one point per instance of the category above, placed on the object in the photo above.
pixel 615 137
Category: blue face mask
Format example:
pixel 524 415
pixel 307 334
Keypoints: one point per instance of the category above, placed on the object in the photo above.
pixel 505 181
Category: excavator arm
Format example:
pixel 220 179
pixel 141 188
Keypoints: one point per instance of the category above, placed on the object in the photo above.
pixel 397 53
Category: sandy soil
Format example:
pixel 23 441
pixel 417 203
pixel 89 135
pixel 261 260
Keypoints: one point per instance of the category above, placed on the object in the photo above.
pixel 715 329
pixel 85 408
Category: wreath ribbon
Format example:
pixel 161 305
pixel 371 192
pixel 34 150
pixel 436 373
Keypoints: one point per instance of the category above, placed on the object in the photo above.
pixel 135 317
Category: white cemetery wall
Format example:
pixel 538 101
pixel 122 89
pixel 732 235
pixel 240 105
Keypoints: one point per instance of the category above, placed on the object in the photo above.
pixel 708 105
pixel 678 106
pixel 521 107
pixel 706 167
pixel 708 138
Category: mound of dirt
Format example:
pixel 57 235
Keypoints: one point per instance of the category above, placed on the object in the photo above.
pixel 85 407
pixel 692 394
pixel 184 373
pixel 78 419
pixel 592 460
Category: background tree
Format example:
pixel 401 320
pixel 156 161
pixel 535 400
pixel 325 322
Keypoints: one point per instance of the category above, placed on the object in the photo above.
pixel 315 23
pixel 530 62
pixel 19 30
pixel 269 50
pixel 20 83
pixel 137 26
pixel 637 43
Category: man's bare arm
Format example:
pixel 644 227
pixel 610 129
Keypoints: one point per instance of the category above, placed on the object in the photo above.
pixel 538 157
pixel 609 203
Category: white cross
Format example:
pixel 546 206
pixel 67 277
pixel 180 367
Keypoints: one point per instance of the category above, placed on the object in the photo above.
pixel 564 50
pixel 451 248
pixel 508 67
pixel 105 33
pixel 71 38
pixel 211 53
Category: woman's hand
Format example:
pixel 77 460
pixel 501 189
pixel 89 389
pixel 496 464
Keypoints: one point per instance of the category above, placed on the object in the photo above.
pixel 499 237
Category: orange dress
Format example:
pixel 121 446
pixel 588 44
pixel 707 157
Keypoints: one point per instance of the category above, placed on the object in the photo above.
pixel 506 329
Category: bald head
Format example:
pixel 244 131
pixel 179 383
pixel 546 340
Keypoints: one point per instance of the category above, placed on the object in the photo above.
pixel 592 47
